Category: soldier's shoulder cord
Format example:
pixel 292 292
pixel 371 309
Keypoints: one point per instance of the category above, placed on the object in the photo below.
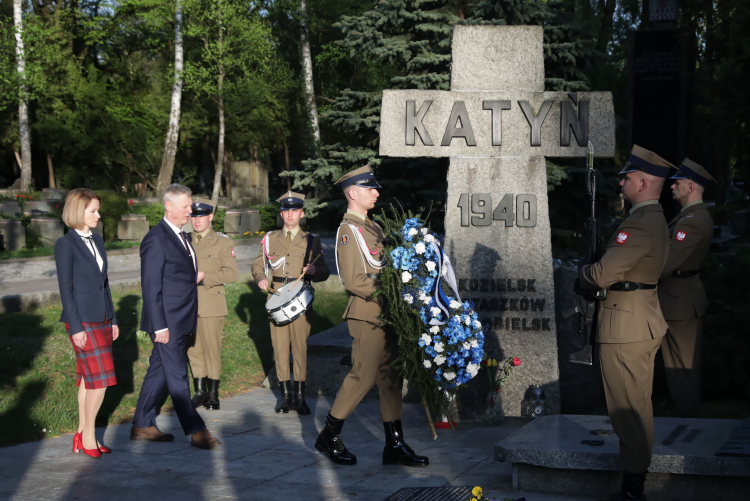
pixel 223 235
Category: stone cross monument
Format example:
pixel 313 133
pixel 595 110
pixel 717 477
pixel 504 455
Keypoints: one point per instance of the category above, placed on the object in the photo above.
pixel 497 124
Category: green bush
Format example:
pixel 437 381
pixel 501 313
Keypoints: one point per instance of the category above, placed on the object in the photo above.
pixel 153 212
pixel 218 222
pixel 267 216
pixel 112 208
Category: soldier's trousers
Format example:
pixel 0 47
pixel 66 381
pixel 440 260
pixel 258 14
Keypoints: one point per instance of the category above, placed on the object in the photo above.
pixel 205 352
pixel 628 374
pixel 372 354
pixel 681 350
pixel 294 334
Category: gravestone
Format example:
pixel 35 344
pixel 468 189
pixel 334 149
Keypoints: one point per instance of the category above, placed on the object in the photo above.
pixel 12 235
pixel 497 124
pixel 50 229
pixel 132 227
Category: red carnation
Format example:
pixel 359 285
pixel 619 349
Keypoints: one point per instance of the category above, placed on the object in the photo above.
pixel 484 362
pixel 516 361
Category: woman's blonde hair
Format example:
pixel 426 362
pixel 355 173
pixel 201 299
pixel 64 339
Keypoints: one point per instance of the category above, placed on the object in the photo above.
pixel 75 206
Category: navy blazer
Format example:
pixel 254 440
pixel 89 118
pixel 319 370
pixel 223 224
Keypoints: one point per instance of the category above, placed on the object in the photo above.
pixel 168 276
pixel 84 290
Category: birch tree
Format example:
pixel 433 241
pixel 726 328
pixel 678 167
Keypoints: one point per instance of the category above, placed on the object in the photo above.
pixel 23 99
pixel 173 131
pixel 307 71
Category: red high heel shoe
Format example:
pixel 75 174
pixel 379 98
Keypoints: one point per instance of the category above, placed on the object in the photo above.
pixel 94 453
pixel 104 449
pixel 77 442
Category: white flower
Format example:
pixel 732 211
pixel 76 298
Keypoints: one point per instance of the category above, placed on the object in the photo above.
pixel 424 231
pixel 420 248
pixel 427 364
pixel 455 304
pixel 412 232
pixel 474 343
pixel 467 321
pixel 435 311
pixel 434 329
pixel 429 239
pixel 472 369
pixel 426 338
pixel 466 346
pixel 424 297
pixel 457 319
pixel 449 376
pixel 408 298
pixel 477 324
pixel 439 360
pixel 405 276
pixel 439 347
pixel 430 265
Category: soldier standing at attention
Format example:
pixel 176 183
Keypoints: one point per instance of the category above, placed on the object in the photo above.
pixel 215 254
pixel 287 253
pixel 360 257
pixel 681 295
pixel 630 325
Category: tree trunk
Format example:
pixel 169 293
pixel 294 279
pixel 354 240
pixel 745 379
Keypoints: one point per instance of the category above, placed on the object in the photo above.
pixel 312 108
pixel 23 100
pixel 173 131
pixel 220 153
pixel 51 169
pixel 607 13
pixel 288 167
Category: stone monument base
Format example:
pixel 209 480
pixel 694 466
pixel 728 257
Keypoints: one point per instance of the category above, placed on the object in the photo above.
pixel 579 455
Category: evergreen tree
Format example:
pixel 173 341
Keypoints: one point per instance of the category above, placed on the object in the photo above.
pixel 411 39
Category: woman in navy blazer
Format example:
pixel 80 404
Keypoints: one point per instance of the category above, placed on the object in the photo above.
pixel 88 312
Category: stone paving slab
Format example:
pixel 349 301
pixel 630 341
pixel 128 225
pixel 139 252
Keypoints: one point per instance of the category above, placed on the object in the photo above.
pixel 265 456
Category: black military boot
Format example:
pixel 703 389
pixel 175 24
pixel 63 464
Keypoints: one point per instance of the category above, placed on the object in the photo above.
pixel 631 489
pixel 212 402
pixel 299 398
pixel 397 451
pixel 286 397
pixel 329 442
pixel 200 392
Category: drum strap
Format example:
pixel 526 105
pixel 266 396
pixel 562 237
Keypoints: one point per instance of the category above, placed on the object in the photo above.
pixel 308 250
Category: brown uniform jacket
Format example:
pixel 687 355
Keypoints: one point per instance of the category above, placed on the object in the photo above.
pixel 216 260
pixel 354 268
pixel 636 252
pixel 295 256
pixel 691 233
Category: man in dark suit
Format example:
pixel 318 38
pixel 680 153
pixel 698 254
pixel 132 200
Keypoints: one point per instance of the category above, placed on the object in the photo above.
pixel 169 274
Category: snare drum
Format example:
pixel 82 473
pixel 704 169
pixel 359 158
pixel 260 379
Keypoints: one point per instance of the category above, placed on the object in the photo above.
pixel 288 304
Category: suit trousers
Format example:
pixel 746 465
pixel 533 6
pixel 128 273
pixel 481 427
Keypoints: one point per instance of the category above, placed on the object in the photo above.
pixel 681 349
pixel 294 334
pixel 167 372
pixel 628 374
pixel 204 350
pixel 373 351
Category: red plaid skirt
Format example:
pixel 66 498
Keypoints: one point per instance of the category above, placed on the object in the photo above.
pixel 94 362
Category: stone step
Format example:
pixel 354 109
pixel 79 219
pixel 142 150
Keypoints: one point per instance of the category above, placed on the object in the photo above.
pixel 693 459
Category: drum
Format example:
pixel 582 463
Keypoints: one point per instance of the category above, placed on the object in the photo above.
pixel 288 304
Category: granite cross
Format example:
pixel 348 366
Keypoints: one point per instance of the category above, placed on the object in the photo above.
pixel 497 124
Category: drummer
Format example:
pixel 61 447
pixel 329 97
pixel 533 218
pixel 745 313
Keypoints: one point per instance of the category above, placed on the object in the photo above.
pixel 284 256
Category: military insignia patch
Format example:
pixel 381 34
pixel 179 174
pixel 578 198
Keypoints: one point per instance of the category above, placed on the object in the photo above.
pixel 344 239
pixel 681 235
pixel 233 253
pixel 622 237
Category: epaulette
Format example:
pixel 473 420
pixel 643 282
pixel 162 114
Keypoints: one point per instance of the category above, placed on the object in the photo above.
pixel 223 235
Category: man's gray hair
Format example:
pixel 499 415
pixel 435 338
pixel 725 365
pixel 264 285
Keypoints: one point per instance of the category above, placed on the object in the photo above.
pixel 175 190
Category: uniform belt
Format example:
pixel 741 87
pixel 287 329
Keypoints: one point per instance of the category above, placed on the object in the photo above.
pixel 374 276
pixel 283 280
pixel 630 286
pixel 684 273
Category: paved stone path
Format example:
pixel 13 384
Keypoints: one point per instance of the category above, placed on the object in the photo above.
pixel 265 456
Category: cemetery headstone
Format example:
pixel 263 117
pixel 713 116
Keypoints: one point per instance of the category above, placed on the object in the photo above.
pixel 10 209
pixel 132 227
pixel 51 194
pixel 49 229
pixel 497 124
pixel 41 205
pixel 12 235
pixel 232 221
pixel 250 222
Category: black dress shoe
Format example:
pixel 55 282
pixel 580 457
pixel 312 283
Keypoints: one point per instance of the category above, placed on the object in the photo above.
pixel 397 451
pixel 299 399
pixel 329 442
pixel 631 489
pixel 286 398
pixel 212 401
pixel 199 383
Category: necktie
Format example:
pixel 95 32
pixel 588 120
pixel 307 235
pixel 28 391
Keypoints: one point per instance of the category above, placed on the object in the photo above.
pixel 184 241
pixel 90 242
pixel 200 237
pixel 288 237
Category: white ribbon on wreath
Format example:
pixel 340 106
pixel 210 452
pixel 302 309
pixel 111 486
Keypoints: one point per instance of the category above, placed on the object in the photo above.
pixel 445 271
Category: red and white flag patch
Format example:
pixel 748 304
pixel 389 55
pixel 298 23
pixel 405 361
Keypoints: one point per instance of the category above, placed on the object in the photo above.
pixel 622 237
pixel 681 235
pixel 233 253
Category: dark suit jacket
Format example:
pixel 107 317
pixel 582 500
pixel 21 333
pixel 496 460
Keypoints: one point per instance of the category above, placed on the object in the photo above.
pixel 84 290
pixel 170 294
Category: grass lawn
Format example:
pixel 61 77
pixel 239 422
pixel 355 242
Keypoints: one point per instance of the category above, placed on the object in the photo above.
pixel 37 365
pixel 50 251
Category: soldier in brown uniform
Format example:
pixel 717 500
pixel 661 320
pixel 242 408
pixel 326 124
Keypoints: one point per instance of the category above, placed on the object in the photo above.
pixel 286 255
pixel 360 257
pixel 215 254
pixel 630 324
pixel 681 295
